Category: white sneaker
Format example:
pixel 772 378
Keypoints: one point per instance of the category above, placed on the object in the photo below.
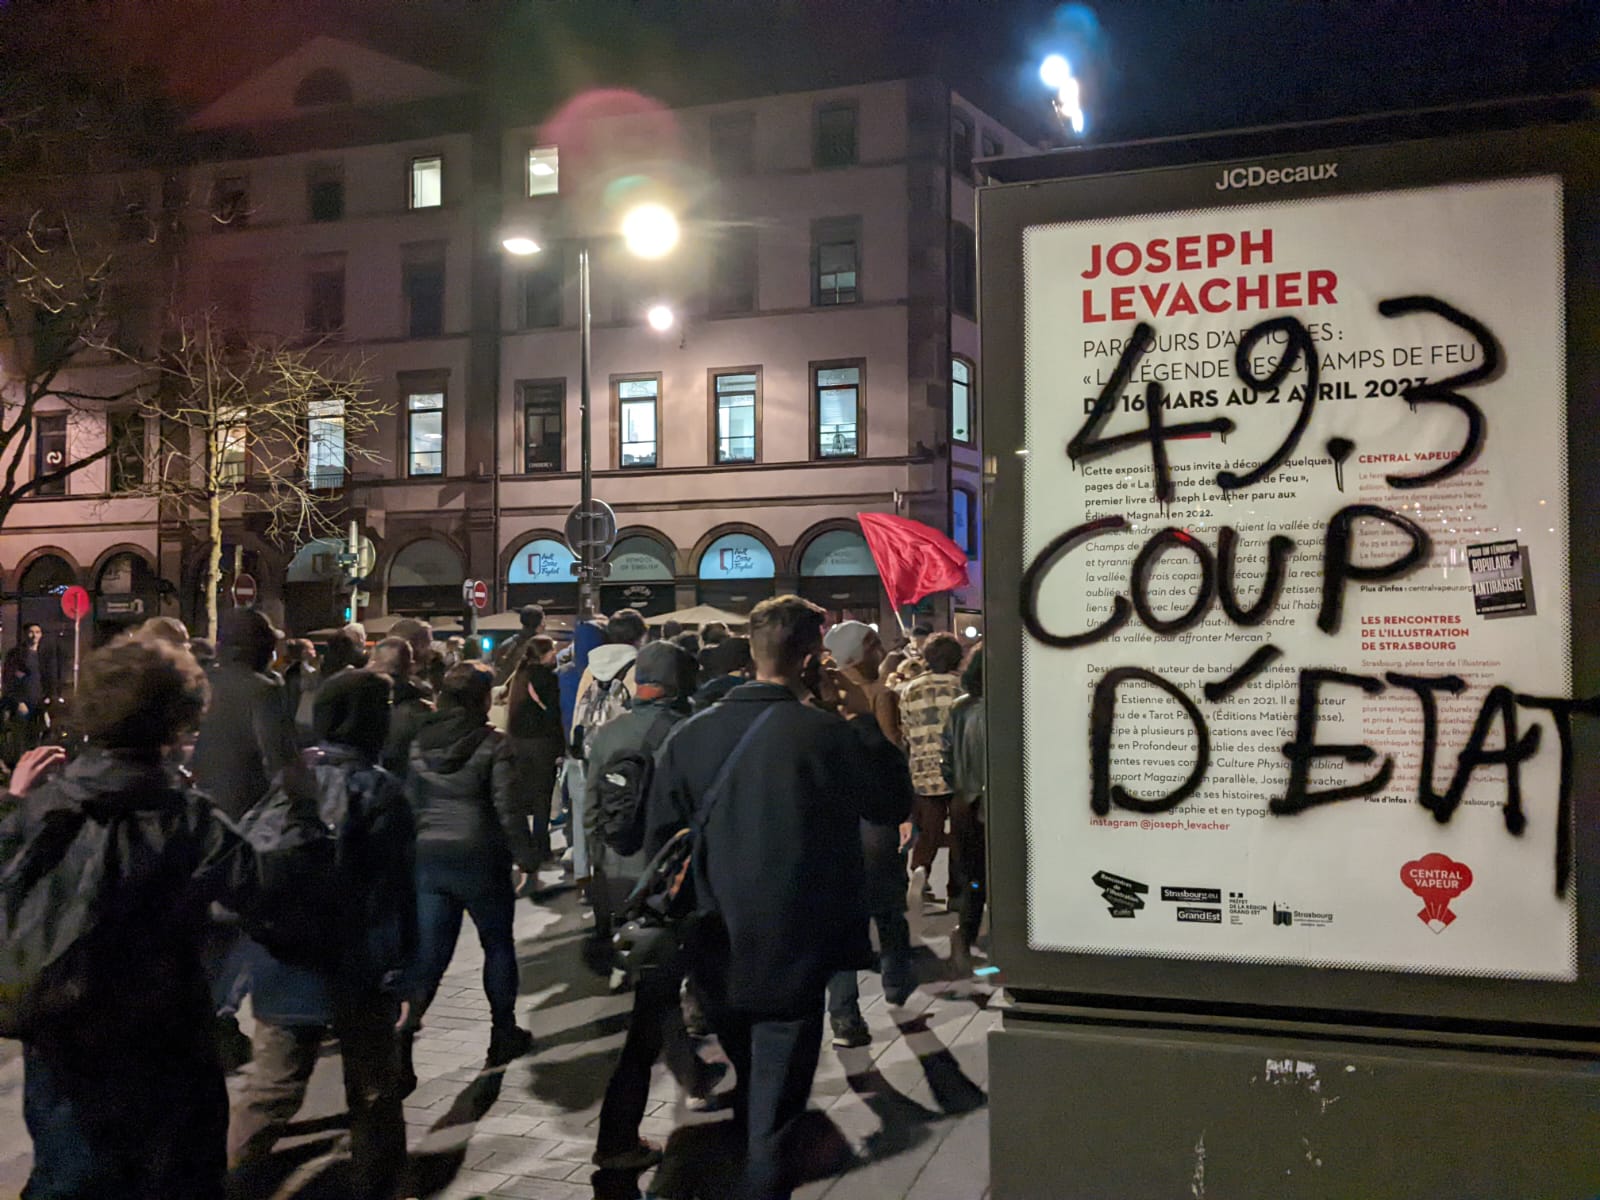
pixel 914 889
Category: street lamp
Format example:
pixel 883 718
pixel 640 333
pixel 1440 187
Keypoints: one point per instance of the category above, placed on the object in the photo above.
pixel 649 231
pixel 1056 74
pixel 660 318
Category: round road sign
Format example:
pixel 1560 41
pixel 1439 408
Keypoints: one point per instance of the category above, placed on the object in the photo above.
pixel 596 526
pixel 480 595
pixel 75 603
pixel 244 589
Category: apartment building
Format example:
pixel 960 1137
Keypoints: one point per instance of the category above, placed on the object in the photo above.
pixel 821 361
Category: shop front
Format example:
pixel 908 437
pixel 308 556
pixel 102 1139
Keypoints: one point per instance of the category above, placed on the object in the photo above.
pixel 541 573
pixel 642 577
pixel 837 573
pixel 425 580
pixel 126 593
pixel 736 573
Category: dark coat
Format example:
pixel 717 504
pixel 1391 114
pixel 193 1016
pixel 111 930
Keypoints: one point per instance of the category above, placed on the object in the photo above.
pixel 20 683
pixel 644 728
pixel 460 787
pixel 413 703
pixel 246 737
pixel 780 861
pixel 714 689
pixel 378 886
pixel 965 751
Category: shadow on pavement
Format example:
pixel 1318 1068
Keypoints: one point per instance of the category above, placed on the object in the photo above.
pixel 703 1162
pixel 436 1160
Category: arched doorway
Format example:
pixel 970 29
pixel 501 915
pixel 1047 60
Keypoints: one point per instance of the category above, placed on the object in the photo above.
pixel 126 592
pixel 540 572
pixel 837 573
pixel 425 579
pixel 643 576
pixel 314 596
pixel 736 572
pixel 39 603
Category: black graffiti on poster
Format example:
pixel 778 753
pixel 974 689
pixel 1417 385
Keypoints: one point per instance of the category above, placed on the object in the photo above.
pixel 1500 707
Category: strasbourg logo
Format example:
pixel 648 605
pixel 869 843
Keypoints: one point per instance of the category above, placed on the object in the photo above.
pixel 1437 880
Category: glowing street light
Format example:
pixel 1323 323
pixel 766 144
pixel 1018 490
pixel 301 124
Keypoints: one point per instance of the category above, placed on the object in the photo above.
pixel 650 230
pixel 521 246
pixel 660 318
pixel 1056 74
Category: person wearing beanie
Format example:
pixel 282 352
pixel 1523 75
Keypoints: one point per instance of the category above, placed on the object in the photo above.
pixel 360 999
pixel 247 735
pixel 858 654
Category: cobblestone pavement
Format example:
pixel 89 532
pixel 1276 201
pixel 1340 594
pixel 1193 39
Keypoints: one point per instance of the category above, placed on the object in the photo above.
pixel 906 1117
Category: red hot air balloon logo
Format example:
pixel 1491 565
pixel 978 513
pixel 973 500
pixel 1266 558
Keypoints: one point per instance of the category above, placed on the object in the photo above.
pixel 1438 880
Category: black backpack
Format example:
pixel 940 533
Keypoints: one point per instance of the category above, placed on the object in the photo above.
pixel 653 922
pixel 623 789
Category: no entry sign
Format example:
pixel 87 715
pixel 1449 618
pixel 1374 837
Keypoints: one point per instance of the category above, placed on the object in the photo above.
pixel 244 589
pixel 75 603
pixel 480 595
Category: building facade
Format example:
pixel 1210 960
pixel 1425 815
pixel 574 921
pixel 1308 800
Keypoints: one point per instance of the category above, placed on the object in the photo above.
pixel 821 361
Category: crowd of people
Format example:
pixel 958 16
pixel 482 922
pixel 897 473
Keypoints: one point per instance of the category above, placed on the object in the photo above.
pixel 310 832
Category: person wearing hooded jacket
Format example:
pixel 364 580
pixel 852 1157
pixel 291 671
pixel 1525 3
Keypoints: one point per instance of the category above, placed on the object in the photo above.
pixel 964 762
pixel 608 669
pixel 472 841
pixel 247 735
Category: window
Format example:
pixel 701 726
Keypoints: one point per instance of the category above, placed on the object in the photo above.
pixel 737 396
pixel 835 257
pixel 425 432
pixel 125 464
pixel 542 282
pixel 325 443
pixel 837 392
pixel 543 406
pixel 636 421
pixel 230 201
pixel 733 144
pixel 422 281
pixel 325 296
pixel 544 171
pixel 992 146
pixel 325 193
pixel 232 447
pixel 961 144
pixel 50 453
pixel 835 135
pixel 733 273
pixel 427 182
pixel 963 270
pixel 961 400
pixel 963 521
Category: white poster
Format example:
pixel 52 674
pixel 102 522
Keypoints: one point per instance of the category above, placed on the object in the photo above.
pixel 1308 764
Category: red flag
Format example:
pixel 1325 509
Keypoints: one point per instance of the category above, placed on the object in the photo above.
pixel 913 560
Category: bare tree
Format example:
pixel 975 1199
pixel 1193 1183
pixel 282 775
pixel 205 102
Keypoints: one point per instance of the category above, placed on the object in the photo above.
pixel 256 428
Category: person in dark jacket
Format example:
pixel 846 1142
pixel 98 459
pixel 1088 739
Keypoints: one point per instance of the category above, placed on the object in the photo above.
pixel 726 664
pixel 471 841
pixel 664 674
pixel 247 735
pixel 413 701
pixel 966 770
pixel 28 682
pixel 508 655
pixel 127 1098
pixel 535 732
pixel 798 762
pixel 360 998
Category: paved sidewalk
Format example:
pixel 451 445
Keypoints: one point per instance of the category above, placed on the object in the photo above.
pixel 904 1118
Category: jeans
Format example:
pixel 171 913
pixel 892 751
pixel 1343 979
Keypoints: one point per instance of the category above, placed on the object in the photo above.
pixel 775 1057
pixel 148 1127
pixel 444 892
pixel 894 946
pixel 656 1026
pixel 969 868
pixel 572 784
pixel 275 1087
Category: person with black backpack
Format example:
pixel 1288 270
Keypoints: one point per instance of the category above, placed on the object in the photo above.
pixel 106 874
pixel 358 992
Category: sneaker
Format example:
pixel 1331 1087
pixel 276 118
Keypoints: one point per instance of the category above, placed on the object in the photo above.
pixel 851 1033
pixel 640 1157
pixel 960 952
pixel 917 890
pixel 508 1044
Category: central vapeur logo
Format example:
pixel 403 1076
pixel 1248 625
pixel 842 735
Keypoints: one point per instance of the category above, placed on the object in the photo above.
pixel 1249 177
pixel 1437 880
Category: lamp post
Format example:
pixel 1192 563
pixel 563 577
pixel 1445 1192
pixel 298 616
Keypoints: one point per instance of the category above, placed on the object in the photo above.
pixel 1056 74
pixel 648 231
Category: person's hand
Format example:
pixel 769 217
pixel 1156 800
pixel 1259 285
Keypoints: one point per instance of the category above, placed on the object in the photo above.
pixel 33 767
pixel 906 830
pixel 405 1015
pixel 519 881
pixel 853 698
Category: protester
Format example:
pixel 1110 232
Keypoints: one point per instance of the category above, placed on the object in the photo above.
pixel 724 666
pixel 924 707
pixel 204 651
pixel 454 652
pixel 427 663
pixel 472 844
pixel 713 632
pixel 777 784
pixel 966 770
pixel 124 1097
pixel 670 630
pixel 688 641
pixel 300 679
pixel 534 731
pixel 360 997
pixel 28 682
pixel 246 737
pixel 858 653
pixel 345 650
pixel 165 629
pixel 605 691
pixel 413 701
pixel 509 653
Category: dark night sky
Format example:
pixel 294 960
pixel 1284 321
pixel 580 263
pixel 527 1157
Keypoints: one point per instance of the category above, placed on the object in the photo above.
pixel 1151 67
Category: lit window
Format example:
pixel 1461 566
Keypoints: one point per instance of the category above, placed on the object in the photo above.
pixel 736 418
pixel 963 523
pixel 425 414
pixel 50 454
pixel 427 182
pixel 636 412
pixel 542 405
pixel 544 171
pixel 836 256
pixel 961 400
pixel 232 436
pixel 325 443
pixel 838 392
